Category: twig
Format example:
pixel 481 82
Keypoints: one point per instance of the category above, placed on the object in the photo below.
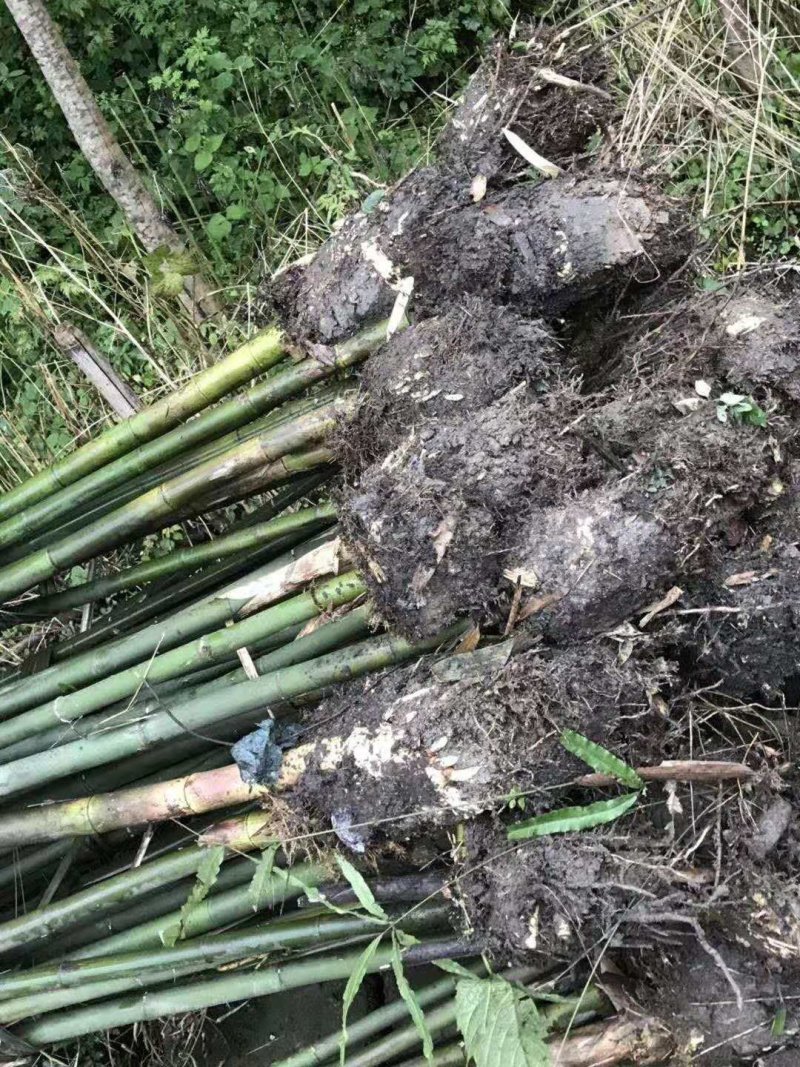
pixel 679 771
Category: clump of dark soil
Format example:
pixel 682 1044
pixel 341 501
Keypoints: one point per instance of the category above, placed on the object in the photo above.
pixel 575 449
pixel 416 751
pixel 517 90
pixel 544 246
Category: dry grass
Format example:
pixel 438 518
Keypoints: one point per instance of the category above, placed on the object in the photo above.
pixel 710 96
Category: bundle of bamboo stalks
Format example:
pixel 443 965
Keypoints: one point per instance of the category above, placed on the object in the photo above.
pixel 150 696
pixel 122 899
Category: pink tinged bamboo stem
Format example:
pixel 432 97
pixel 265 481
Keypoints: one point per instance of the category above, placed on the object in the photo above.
pixel 190 795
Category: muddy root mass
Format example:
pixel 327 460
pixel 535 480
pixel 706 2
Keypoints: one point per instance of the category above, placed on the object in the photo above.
pixel 572 447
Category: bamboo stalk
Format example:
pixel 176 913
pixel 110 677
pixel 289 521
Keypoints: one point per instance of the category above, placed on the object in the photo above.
pixel 161 503
pixel 208 426
pixel 79 982
pixel 327 1048
pixel 218 910
pixel 158 598
pixel 193 794
pixel 146 908
pixel 82 518
pixel 165 472
pixel 14 868
pixel 210 648
pixel 338 633
pixel 85 512
pixel 257 481
pixel 251 359
pixel 282 650
pixel 155 1004
pixel 179 561
pixel 98 899
pixel 161 727
pixel 448 1056
pixel 210 613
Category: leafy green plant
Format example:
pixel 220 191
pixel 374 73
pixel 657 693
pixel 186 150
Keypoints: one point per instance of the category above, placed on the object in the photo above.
pixel 207 874
pixel 570 820
pixel 740 408
pixel 259 126
pixel 399 940
pixel 500 1024
pixel 586 816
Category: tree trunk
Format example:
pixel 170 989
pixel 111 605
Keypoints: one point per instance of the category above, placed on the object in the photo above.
pixel 96 139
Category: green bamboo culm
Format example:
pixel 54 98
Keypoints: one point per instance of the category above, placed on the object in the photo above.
pixel 446 1056
pixel 93 979
pixel 168 899
pixel 210 648
pixel 257 355
pixel 196 715
pixel 158 506
pixel 155 1004
pixel 180 561
pixel 158 599
pixel 338 633
pixel 216 911
pixel 99 899
pixel 327 1048
pixel 13 869
pixel 354 626
pixel 212 611
pixel 208 426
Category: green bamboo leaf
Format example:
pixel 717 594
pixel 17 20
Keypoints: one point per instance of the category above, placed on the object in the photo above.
pixel 316 896
pixel 566 820
pixel 207 872
pixel 362 891
pixel 351 989
pixel 500 1024
pixel 451 967
pixel 413 1005
pixel 600 759
pixel 257 889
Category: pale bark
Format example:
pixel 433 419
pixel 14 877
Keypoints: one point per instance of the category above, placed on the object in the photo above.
pixel 96 139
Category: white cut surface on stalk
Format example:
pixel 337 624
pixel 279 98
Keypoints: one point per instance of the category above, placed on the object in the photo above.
pixel 320 561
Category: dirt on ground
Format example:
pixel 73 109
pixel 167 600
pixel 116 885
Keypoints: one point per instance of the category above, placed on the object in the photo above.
pixel 593 463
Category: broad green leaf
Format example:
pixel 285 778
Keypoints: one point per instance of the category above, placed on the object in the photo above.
pixel 500 1024
pixel 365 896
pixel 567 820
pixel 258 888
pixel 600 759
pixel 351 989
pixel 218 227
pixel 203 160
pixel 207 872
pixel 413 1005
